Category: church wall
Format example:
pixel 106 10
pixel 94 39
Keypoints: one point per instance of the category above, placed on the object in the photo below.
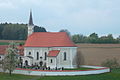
pixel 34 50
pixel 1 57
pixel 74 53
pixel 70 54
pixel 51 64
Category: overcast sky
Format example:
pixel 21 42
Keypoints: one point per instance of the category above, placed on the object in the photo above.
pixel 78 16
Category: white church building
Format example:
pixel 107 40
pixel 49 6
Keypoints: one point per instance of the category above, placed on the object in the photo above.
pixel 50 49
pixel 53 49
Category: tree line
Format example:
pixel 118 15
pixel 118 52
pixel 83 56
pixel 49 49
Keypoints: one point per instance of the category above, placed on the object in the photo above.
pixel 9 31
pixel 94 38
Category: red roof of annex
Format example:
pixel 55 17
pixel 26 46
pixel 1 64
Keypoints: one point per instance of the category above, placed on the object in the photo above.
pixel 53 53
pixel 49 39
pixel 4 47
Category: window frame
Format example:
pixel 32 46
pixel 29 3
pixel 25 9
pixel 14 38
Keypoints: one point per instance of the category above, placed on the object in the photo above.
pixel 37 56
pixel 65 56
pixel 29 53
pixel 45 58
pixel 51 60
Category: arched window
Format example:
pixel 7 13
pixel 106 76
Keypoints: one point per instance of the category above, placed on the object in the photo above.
pixel 65 57
pixel 26 63
pixel 37 55
pixel 29 53
pixel 45 55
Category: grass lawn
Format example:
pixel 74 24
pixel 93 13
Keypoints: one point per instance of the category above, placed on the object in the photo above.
pixel 114 75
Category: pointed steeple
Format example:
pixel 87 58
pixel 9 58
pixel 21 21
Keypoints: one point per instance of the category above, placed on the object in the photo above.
pixel 30 24
pixel 30 19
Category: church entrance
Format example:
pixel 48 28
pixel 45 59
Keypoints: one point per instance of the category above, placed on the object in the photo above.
pixel 41 63
pixel 26 63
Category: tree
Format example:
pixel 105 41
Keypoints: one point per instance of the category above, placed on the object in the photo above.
pixel 110 38
pixel 93 38
pixel 1 63
pixel 107 39
pixel 118 39
pixel 79 38
pixel 9 31
pixel 39 29
pixel 65 30
pixel 111 63
pixel 10 59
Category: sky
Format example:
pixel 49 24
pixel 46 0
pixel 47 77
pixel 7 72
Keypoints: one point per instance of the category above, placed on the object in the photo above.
pixel 77 16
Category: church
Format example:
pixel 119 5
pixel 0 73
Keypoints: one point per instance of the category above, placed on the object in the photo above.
pixel 53 49
pixel 50 49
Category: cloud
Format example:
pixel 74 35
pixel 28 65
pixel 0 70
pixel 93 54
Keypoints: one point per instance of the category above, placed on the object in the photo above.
pixel 83 16
pixel 6 5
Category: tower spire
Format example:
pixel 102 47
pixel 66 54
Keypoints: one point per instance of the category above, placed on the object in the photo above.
pixel 31 19
pixel 30 24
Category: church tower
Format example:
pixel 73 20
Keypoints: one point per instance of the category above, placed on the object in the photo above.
pixel 30 25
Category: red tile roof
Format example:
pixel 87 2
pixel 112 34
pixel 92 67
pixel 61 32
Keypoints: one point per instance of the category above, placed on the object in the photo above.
pixel 49 39
pixel 21 50
pixel 53 53
pixel 4 47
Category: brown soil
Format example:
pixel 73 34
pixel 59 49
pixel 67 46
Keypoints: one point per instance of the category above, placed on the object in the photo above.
pixel 95 54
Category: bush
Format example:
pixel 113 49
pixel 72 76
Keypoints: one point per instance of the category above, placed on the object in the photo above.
pixel 111 63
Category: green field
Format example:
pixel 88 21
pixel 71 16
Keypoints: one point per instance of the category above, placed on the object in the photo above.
pixel 114 75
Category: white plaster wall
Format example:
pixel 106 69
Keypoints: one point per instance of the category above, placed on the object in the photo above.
pixel 70 54
pixel 2 57
pixel 34 51
pixel 30 29
pixel 30 61
pixel 61 73
pixel 53 64
pixel 98 70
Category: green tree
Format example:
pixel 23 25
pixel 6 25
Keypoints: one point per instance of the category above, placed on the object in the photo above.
pixel 79 38
pixel 39 29
pixel 118 39
pixel 9 31
pixel 10 59
pixel 93 38
pixel 110 38
pixel 65 30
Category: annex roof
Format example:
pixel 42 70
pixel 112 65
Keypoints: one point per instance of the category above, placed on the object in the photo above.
pixel 49 39
pixel 4 47
pixel 53 53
